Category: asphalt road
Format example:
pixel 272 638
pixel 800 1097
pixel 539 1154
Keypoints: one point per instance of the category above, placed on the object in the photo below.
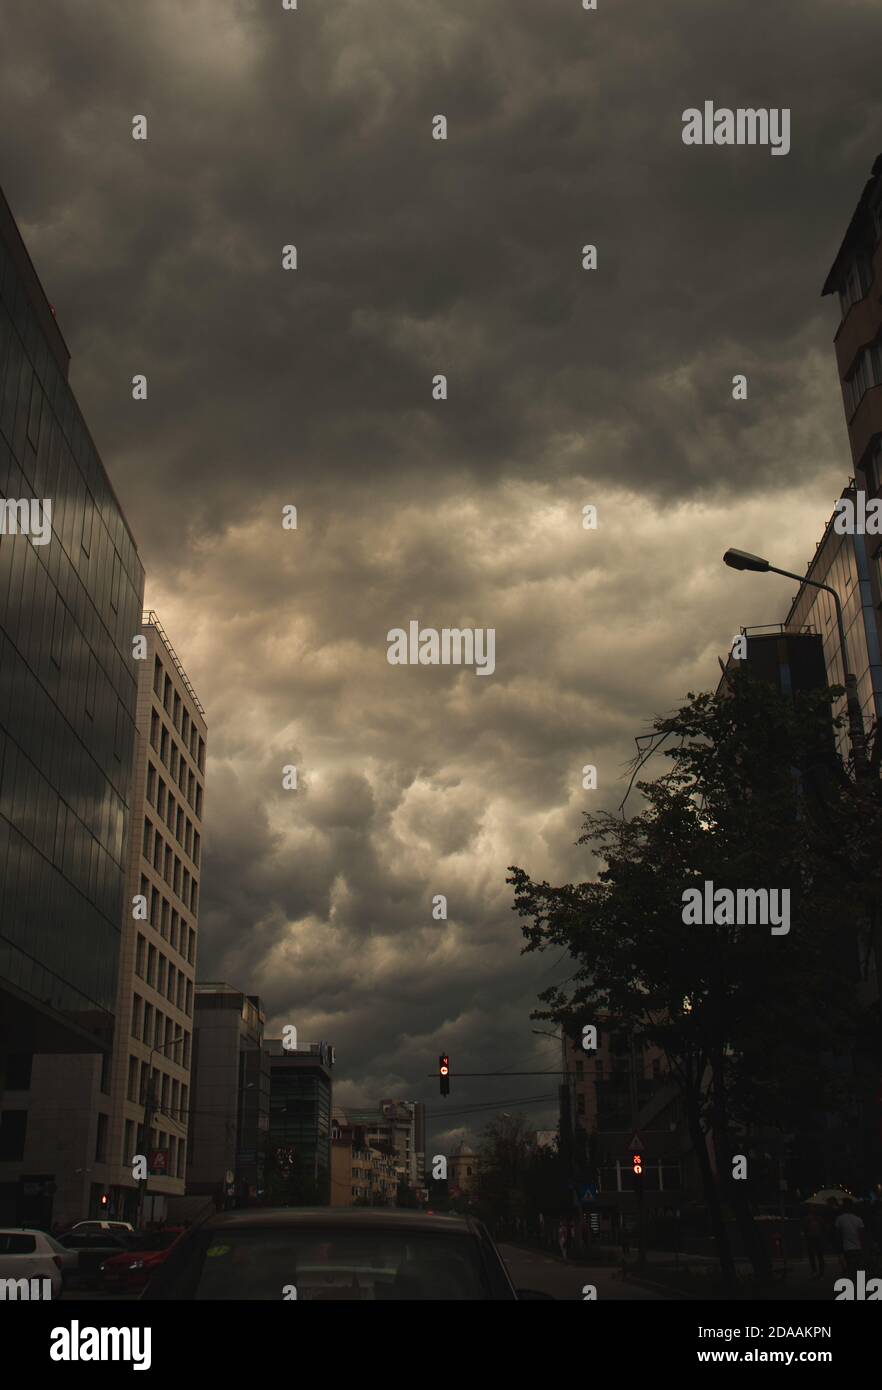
pixel 547 1273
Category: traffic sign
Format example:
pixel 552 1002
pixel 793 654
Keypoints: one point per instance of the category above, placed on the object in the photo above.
pixel 636 1145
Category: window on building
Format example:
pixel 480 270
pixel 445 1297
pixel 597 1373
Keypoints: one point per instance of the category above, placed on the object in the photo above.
pixel 140 949
pixel 132 1086
pixel 167 695
pixel 157 677
pixel 137 1012
pixel 91 686
pixel 151 965
pixel 154 729
pixel 145 843
pixel 12 1135
pixel 163 745
pixel 104 1083
pixel 200 761
pixel 88 522
pixel 176 713
pixel 101 1138
pixel 57 646
pixel 129 1144
pixel 115 582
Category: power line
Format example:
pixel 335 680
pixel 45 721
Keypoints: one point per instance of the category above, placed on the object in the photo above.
pixel 490 1105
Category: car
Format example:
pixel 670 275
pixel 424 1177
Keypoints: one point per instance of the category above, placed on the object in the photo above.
pixel 94 1247
pixel 28 1254
pixel 93 1226
pixel 129 1272
pixel 318 1254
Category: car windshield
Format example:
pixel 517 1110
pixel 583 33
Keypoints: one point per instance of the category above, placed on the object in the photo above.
pixel 363 1264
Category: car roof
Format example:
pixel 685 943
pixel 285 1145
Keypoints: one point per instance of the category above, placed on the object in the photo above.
pixel 389 1217
pixel 22 1231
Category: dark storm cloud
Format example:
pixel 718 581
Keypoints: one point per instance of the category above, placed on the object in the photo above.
pixel 314 387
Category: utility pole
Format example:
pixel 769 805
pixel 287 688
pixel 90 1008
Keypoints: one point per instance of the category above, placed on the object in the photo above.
pixel 638 1177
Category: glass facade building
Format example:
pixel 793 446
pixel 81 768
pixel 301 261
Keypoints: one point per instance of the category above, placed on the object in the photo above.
pixel 71 597
pixel 301 1104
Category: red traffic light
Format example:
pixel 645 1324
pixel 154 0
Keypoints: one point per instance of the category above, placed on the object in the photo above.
pixel 637 1163
pixel 444 1074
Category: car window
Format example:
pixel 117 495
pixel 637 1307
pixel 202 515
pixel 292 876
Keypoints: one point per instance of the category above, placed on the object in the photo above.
pixel 17 1243
pixel 324 1264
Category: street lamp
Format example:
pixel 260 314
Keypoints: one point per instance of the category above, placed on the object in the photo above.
pixel 743 560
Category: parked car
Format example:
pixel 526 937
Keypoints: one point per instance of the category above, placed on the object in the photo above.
pixel 94 1226
pixel 129 1272
pixel 94 1247
pixel 323 1253
pixel 31 1254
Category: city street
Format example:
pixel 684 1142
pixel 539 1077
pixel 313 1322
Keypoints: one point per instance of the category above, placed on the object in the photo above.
pixel 547 1273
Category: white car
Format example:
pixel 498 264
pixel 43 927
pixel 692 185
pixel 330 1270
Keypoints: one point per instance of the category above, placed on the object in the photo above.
pixel 27 1255
pixel 87 1227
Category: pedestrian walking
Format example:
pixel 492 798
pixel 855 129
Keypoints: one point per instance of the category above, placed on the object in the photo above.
pixel 813 1231
pixel 851 1231
pixel 562 1238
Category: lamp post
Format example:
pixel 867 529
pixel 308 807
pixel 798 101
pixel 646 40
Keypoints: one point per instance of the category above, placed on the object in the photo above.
pixel 743 560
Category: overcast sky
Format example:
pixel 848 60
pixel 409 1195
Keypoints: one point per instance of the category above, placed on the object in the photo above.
pixel 313 387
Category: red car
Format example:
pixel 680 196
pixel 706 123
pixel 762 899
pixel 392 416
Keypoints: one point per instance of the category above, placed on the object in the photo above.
pixel 129 1272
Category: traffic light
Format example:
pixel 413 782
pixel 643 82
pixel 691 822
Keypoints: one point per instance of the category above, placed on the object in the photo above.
pixel 637 1165
pixel 444 1074
pixel 105 1198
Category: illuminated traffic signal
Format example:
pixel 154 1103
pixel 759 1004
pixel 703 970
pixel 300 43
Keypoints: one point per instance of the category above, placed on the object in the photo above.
pixel 444 1074
pixel 105 1198
pixel 637 1165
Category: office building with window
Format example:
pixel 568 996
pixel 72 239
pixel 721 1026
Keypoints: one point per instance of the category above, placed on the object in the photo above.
pixel 88 1117
pixel 301 1084
pixel 229 1117
pixel 71 594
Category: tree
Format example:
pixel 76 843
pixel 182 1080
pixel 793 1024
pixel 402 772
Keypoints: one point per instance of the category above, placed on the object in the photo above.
pixel 754 799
